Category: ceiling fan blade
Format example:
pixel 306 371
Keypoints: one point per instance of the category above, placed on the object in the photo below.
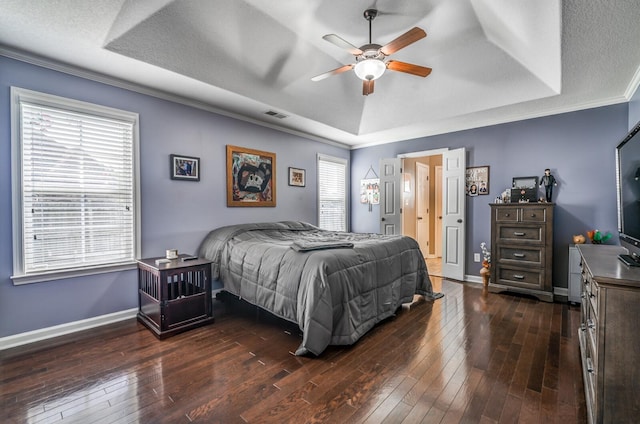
pixel 367 87
pixel 334 39
pixel 408 68
pixel 404 40
pixel 334 72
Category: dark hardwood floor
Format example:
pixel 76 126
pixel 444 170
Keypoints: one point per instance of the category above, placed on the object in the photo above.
pixel 469 357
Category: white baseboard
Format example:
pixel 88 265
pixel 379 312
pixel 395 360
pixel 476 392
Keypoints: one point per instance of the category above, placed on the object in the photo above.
pixel 473 279
pixel 62 329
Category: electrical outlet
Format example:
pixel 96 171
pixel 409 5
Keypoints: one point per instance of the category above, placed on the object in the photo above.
pixel 476 257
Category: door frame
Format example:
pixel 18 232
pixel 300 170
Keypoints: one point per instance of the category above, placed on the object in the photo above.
pixel 434 152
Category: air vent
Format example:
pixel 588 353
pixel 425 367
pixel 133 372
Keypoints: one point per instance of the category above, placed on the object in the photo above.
pixel 276 114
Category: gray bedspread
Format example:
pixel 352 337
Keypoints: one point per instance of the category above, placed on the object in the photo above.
pixel 336 286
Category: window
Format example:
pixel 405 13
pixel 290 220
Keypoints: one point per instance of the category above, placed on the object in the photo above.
pixel 332 193
pixel 74 167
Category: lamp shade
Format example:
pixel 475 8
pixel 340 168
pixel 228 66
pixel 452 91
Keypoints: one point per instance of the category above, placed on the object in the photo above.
pixel 370 69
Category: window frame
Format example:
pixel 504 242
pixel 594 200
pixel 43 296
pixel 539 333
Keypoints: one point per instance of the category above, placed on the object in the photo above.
pixel 19 96
pixel 342 161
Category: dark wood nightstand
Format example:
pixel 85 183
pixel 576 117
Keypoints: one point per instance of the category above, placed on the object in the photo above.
pixel 174 296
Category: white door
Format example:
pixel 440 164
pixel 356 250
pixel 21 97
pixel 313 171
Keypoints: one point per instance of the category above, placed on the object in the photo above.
pixel 453 214
pixel 390 196
pixel 438 212
pixel 422 207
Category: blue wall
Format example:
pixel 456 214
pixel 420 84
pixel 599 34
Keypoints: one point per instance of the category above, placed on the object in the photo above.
pixel 178 214
pixel 578 147
pixel 175 214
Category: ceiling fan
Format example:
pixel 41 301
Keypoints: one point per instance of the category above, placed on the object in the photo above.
pixel 370 58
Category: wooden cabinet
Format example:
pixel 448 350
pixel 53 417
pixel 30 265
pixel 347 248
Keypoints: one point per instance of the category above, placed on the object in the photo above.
pixel 608 334
pixel 174 296
pixel 522 249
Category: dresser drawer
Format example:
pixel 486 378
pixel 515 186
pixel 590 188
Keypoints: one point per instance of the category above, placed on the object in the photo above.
pixel 507 214
pixel 519 255
pixel 533 215
pixel 528 279
pixel 516 233
pixel 592 294
pixel 592 336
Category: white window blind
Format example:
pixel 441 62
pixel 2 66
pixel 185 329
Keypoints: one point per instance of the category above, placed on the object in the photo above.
pixel 332 193
pixel 77 192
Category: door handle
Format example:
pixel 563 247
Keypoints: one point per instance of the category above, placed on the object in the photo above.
pixel 383 219
pixel 419 217
pixel 459 221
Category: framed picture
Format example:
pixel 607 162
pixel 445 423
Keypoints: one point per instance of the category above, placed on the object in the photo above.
pixel 297 177
pixel 251 177
pixel 477 180
pixel 184 168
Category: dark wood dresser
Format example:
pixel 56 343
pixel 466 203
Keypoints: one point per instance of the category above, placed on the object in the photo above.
pixel 609 337
pixel 522 249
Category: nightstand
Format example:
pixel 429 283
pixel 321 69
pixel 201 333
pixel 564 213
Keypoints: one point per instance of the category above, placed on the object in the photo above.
pixel 174 296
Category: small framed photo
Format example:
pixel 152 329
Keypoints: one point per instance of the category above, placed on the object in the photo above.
pixel 184 168
pixel 297 177
pixel 477 180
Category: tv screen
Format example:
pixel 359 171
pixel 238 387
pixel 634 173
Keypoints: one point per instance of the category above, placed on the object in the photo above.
pixel 628 185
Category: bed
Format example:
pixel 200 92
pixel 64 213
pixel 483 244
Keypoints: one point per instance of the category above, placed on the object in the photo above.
pixel 335 285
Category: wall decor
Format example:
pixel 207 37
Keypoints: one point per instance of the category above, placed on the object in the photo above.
pixel 477 180
pixel 370 191
pixel 184 168
pixel 251 177
pixel 297 177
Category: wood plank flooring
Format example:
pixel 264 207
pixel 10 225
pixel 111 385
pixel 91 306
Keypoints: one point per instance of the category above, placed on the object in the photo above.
pixel 470 357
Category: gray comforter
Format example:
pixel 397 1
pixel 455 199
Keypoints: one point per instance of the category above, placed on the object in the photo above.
pixel 336 286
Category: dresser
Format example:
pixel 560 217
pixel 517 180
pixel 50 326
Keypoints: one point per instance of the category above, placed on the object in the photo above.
pixel 608 334
pixel 522 249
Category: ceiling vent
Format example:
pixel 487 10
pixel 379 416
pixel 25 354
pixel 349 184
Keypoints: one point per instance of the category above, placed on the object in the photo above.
pixel 276 114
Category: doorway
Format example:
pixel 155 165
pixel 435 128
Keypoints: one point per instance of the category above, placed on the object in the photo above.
pixel 422 207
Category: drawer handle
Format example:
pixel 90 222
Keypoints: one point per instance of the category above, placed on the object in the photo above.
pixel 583 327
pixel 518 233
pixel 518 276
pixel 519 255
pixel 589 366
pixel 591 324
pixel 533 215
pixel 506 214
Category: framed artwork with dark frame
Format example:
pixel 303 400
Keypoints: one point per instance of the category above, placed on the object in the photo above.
pixel 297 177
pixel 477 180
pixel 251 177
pixel 184 168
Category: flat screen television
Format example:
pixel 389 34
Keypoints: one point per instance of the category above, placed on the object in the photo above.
pixel 628 189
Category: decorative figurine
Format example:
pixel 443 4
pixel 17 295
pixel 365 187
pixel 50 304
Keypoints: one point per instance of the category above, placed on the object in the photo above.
pixel 548 181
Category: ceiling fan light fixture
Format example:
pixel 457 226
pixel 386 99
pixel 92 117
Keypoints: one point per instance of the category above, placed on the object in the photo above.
pixel 370 69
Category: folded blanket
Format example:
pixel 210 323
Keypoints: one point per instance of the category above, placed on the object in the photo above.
pixel 305 245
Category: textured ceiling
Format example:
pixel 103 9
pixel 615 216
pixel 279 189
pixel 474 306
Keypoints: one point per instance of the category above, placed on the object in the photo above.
pixel 493 60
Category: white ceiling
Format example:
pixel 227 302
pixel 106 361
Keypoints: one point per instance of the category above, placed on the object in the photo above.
pixel 493 60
